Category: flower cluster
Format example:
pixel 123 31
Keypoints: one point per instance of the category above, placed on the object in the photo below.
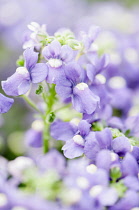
pixel 78 104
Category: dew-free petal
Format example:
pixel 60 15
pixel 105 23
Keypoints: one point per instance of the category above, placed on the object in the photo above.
pixel 39 73
pixel 5 103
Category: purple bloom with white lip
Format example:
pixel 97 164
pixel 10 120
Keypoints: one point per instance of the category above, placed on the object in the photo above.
pixel 5 103
pixel 57 57
pixel 71 85
pixel 75 146
pixel 19 83
pixel 73 133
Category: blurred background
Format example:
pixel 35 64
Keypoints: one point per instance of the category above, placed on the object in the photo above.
pixel 118 19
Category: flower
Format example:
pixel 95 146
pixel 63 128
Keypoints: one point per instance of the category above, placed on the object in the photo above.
pixel 74 137
pixel 71 85
pixel 57 57
pixel 19 83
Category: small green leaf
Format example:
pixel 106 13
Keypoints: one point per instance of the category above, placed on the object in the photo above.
pixel 127 132
pixel 51 117
pixel 39 90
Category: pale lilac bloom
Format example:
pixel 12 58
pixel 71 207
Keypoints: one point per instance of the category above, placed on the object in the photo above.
pixel 5 103
pixel 73 134
pixel 20 82
pixel 57 57
pixel 71 85
pixel 75 147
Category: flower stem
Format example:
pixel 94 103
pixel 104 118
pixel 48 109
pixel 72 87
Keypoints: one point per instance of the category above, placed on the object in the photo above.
pixel 31 103
pixel 50 102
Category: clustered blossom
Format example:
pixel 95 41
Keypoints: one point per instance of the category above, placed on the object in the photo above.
pixel 90 117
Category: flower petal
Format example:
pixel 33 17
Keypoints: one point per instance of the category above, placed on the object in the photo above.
pixel 5 103
pixel 53 50
pixel 104 138
pixel 61 130
pixel 72 150
pixel 30 57
pixel 66 53
pixel 17 84
pixel 84 128
pixel 39 72
pixel 91 147
pixel 85 101
pixel 121 145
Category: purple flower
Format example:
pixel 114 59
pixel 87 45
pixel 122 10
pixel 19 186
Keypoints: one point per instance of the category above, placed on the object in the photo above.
pixel 5 103
pixel 75 146
pixel 19 83
pixel 57 56
pixel 74 133
pixel 71 85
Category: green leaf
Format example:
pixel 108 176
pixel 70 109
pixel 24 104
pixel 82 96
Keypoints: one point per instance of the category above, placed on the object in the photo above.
pixel 39 90
pixel 51 117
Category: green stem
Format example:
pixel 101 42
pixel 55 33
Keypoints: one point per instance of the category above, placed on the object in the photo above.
pixel 50 102
pixel 31 103
pixel 46 137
